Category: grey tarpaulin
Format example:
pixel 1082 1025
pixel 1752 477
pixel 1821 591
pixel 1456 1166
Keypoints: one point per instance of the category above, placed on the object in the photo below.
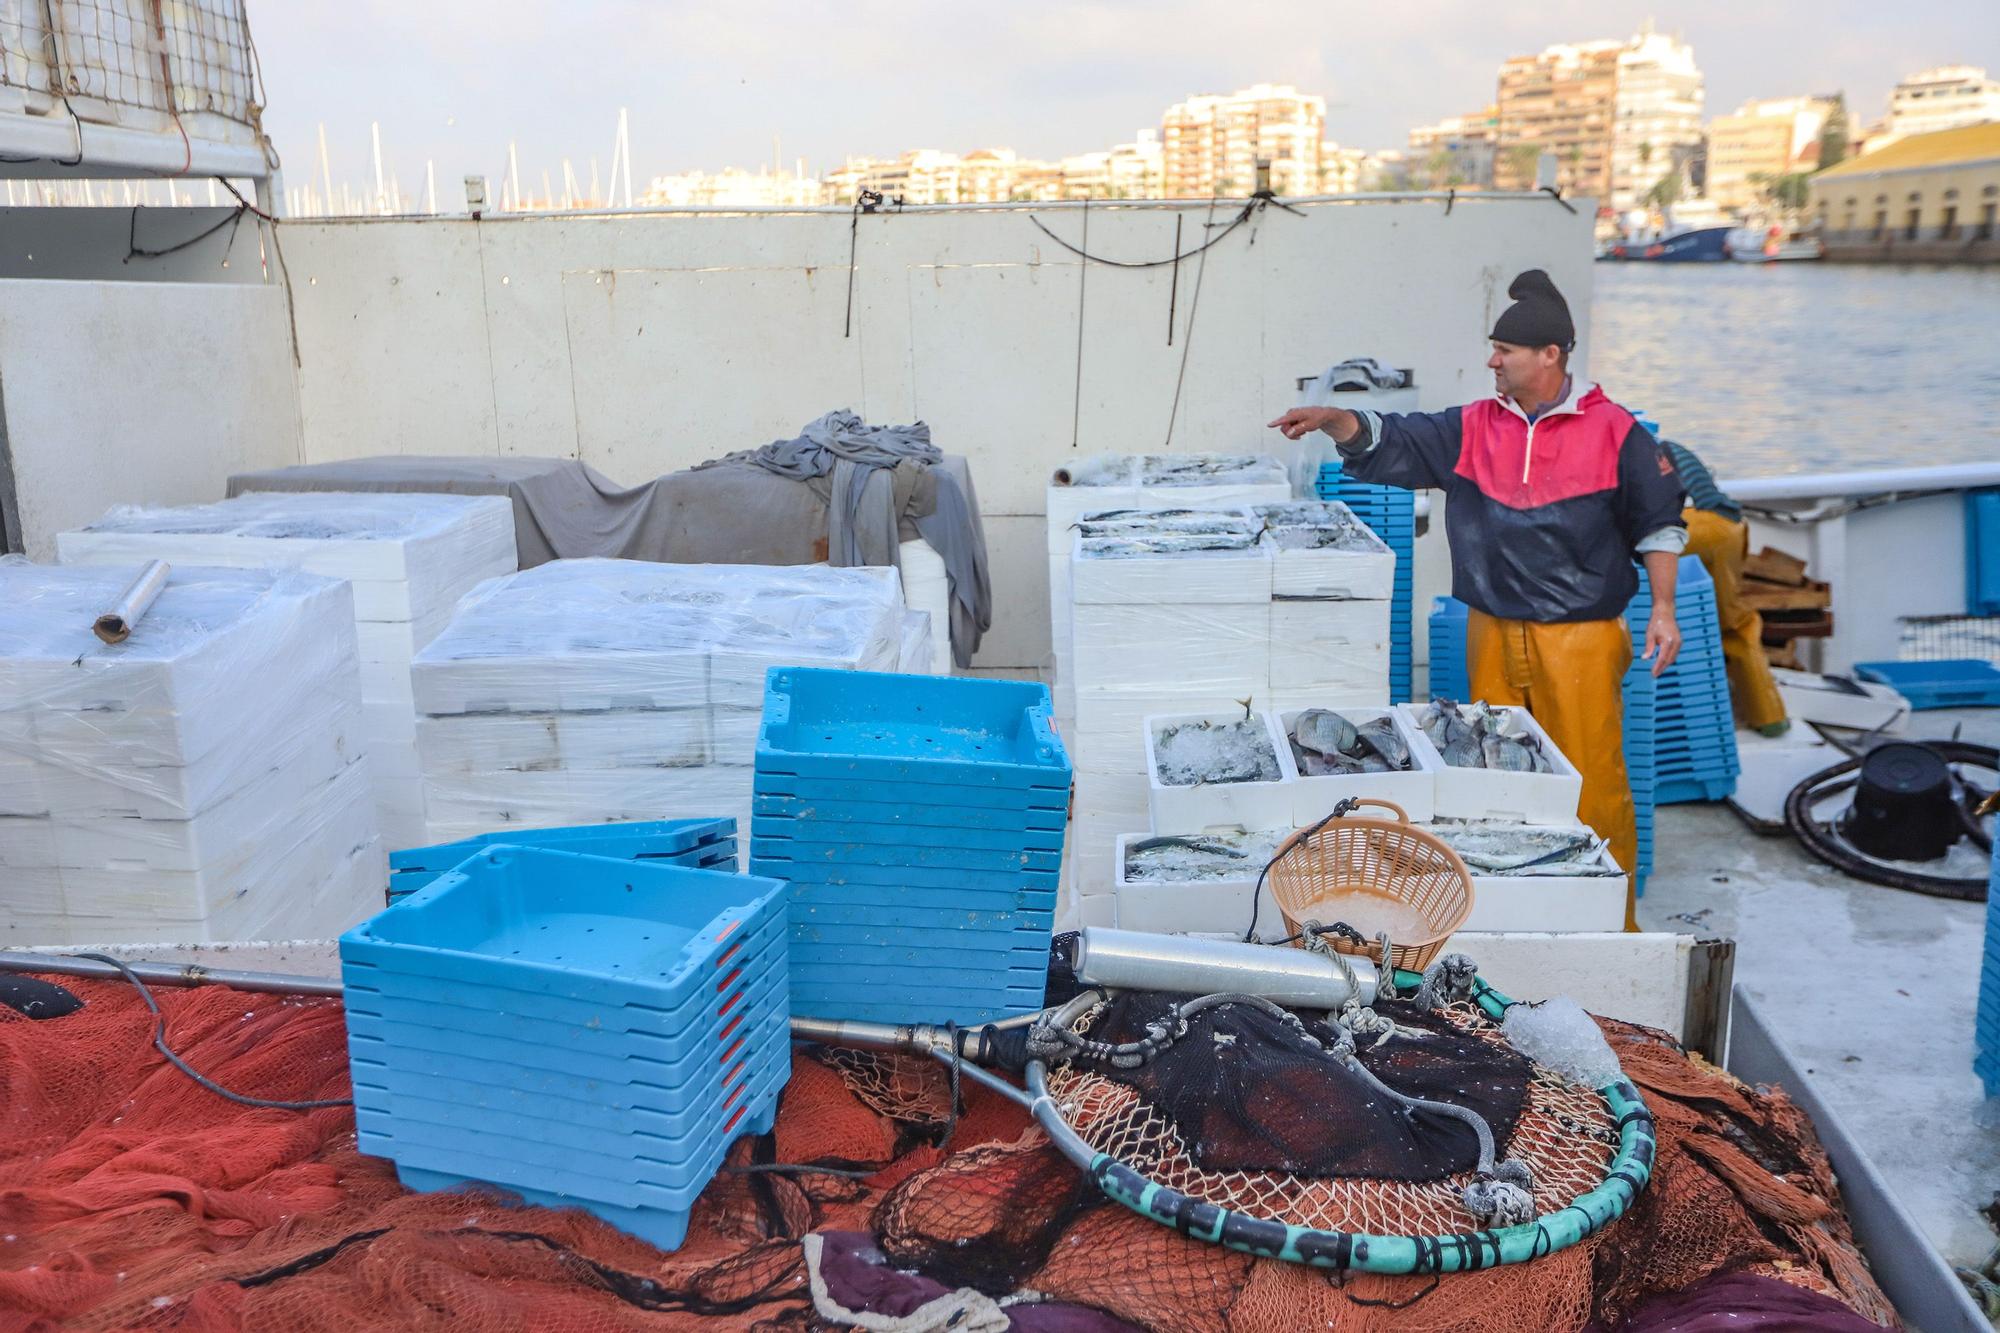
pixel 738 514
pixel 874 477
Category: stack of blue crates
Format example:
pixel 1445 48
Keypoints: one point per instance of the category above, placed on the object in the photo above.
pixel 697 844
pixel 1694 734
pixel 1986 1060
pixel 580 1031
pixel 1449 680
pixel 1391 512
pixel 919 822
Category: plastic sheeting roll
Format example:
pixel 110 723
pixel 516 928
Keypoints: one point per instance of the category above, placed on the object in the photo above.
pixel 926 587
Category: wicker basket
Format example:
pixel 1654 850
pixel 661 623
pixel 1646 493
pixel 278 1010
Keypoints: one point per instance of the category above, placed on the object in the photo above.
pixel 1329 872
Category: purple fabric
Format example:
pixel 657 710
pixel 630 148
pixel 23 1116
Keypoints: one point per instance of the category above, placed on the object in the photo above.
pixel 1742 1303
pixel 863 1285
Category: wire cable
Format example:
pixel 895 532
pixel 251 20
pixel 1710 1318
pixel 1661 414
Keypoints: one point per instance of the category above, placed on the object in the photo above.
pixel 160 1045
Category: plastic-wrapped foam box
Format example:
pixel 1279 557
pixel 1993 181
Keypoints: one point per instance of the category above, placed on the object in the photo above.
pixel 1313 798
pixel 1194 806
pixel 1481 793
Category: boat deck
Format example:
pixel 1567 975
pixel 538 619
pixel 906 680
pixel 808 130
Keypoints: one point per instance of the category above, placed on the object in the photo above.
pixel 1872 989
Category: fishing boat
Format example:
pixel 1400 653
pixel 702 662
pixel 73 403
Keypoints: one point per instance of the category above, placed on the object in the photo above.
pixel 1774 244
pixel 149 355
pixel 1698 245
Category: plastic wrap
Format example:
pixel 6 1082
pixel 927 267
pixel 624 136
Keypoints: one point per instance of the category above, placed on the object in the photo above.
pixel 917 656
pixel 589 635
pixel 605 691
pixel 144 785
pixel 409 558
pixel 927 590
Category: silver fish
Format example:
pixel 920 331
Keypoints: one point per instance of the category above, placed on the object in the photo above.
pixel 1514 849
pixel 1382 737
pixel 1325 731
pixel 1464 752
pixel 1507 756
pixel 1374 763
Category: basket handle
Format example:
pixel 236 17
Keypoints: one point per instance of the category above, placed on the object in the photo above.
pixel 1345 806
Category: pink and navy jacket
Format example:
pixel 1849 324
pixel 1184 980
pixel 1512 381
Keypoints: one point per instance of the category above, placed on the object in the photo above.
pixel 1544 516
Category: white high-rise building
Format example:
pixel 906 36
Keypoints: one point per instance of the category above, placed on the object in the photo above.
pixel 1656 118
pixel 1213 143
pixel 1940 99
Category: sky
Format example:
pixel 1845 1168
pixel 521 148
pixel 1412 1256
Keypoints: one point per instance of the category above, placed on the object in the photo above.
pixel 714 84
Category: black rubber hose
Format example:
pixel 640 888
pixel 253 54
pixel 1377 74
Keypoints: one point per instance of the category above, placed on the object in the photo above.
pixel 1829 847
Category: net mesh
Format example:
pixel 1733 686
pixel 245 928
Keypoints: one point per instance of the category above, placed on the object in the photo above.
pixel 1563 1131
pixel 130 1198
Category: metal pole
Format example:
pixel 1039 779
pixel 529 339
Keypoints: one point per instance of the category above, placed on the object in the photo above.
pixel 168 974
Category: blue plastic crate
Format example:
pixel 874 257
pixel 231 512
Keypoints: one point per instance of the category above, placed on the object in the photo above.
pixel 1982 553
pixel 1015 799
pixel 825 832
pixel 913 1004
pixel 445 1089
pixel 949 730
pixel 1680 791
pixel 894 918
pixel 941 885
pixel 1949 683
pixel 651 839
pixel 850 853
pixel 965 1015
pixel 885 814
pixel 515 1027
pixel 654 1214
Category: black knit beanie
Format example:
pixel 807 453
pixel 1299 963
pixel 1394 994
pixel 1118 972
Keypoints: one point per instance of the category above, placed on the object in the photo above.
pixel 1539 315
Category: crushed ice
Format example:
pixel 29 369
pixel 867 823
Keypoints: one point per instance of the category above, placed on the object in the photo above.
pixel 1558 1034
pixel 1190 754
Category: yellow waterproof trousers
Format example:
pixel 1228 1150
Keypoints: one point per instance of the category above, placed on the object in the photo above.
pixel 1722 547
pixel 1569 677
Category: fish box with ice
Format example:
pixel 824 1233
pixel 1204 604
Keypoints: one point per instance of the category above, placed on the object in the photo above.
pixel 1529 877
pixel 1380 758
pixel 1468 788
pixel 1320 549
pixel 1196 884
pixel 1211 557
pixel 1216 770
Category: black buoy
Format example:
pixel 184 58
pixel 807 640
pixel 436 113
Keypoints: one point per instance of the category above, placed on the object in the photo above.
pixel 1904 807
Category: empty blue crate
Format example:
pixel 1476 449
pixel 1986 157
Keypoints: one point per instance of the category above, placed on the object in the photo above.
pixel 1951 683
pixel 942 730
pixel 579 1030
pixel 695 843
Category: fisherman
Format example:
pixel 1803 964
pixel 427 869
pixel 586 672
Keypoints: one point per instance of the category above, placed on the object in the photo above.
pixel 1551 491
pixel 1719 536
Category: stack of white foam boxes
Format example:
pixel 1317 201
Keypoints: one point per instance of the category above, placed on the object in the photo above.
pixel 203 780
pixel 1178 612
pixel 409 559
pixel 603 691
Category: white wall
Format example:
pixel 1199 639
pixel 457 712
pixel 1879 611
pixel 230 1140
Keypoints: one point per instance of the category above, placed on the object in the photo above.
pixel 645 343
pixel 129 392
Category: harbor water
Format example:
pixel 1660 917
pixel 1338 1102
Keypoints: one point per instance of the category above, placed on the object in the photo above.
pixel 1805 367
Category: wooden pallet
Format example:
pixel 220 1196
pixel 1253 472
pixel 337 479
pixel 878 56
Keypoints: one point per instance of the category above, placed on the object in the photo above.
pixel 1768 597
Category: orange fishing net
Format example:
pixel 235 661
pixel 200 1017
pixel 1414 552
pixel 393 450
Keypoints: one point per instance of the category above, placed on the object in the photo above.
pixel 131 1198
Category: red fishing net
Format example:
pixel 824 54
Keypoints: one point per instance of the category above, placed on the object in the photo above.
pixel 131 1198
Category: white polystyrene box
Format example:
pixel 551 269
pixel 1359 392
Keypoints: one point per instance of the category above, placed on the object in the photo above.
pixel 469 745
pixel 590 635
pixel 1244 805
pixel 1337 644
pixel 328 825
pixel 1560 903
pixel 407 554
pixel 1194 907
pixel 1840 701
pixel 1176 578
pixel 1313 798
pixel 1211 648
pixel 1358 575
pixel 1479 793
pixel 915 659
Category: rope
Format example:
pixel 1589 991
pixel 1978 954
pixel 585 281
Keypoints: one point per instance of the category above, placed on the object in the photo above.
pixel 1187 344
pixel 160 1045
